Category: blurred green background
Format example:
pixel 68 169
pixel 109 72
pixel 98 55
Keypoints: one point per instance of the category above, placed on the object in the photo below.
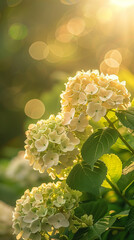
pixel 42 42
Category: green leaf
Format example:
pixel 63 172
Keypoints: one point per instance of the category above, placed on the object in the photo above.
pixel 119 145
pixel 129 191
pixel 126 180
pixel 98 144
pixel 86 197
pixel 127 164
pixel 126 117
pixel 114 168
pixel 96 208
pixel 122 214
pixel 130 221
pixel 84 179
pixel 81 234
pixel 95 231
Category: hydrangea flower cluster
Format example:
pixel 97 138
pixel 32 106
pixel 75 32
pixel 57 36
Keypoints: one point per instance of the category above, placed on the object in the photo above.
pixel 50 145
pixel 45 209
pixel 90 94
pixel 19 170
pixel 54 145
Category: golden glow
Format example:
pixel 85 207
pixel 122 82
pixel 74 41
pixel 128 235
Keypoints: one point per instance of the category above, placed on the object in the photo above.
pixel 51 58
pixel 56 49
pixel 114 54
pixel 34 109
pixel 111 62
pixel 109 66
pixel 76 26
pixel 39 50
pixel 87 10
pixel 123 3
pixel 104 14
pixel 62 34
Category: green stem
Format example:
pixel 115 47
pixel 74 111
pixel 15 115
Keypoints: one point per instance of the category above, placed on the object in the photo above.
pixel 120 136
pixel 117 228
pixel 78 219
pixel 117 190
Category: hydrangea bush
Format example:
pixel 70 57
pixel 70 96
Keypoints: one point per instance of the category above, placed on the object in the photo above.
pixel 81 149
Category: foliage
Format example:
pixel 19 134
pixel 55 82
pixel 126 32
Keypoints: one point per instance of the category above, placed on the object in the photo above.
pixel 95 231
pixel 89 165
pixel 98 144
pixel 114 168
pixel 127 117
pixel 84 179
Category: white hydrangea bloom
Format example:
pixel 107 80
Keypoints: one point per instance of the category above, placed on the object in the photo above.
pixel 96 111
pixel 49 140
pixel 104 94
pixel 91 89
pixel 58 220
pixel 54 137
pixel 19 170
pixel 117 99
pixel 51 207
pixel 68 116
pixel 87 87
pixel 79 123
pixel 50 159
pixel 41 144
pixel 30 217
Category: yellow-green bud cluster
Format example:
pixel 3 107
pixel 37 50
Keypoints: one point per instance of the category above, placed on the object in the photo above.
pixel 83 222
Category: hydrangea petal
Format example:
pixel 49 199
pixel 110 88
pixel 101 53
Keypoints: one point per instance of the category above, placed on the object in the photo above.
pixel 41 144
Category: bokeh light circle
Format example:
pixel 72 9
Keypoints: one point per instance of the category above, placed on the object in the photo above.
pixel 111 63
pixel 76 26
pixel 62 34
pixel 34 109
pixel 109 66
pixel 39 50
pixel 18 31
pixel 114 54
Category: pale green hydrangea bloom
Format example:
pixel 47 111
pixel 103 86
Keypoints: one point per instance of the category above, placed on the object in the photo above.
pixel 48 207
pixel 51 146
